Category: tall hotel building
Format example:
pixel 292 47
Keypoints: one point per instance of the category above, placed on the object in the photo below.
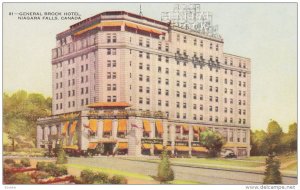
pixel 124 81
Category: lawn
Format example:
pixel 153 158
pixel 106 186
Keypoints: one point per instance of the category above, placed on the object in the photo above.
pixel 292 167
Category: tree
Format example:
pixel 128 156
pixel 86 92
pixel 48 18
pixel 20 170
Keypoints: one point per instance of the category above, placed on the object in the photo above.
pixel 257 142
pixel 272 173
pixel 273 139
pixel 165 172
pixel 61 155
pixel 213 141
pixel 292 136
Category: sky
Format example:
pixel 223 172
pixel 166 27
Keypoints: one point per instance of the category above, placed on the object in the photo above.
pixel 264 32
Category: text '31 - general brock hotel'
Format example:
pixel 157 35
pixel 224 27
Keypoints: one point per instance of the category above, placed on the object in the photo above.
pixel 130 83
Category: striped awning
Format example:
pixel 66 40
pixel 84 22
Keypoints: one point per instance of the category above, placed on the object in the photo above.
pixel 182 148
pixel 159 127
pixel 66 126
pixel 199 149
pixel 169 148
pixel 123 145
pixel 122 125
pixel 107 125
pixel 147 127
pixel 73 127
pixel 73 147
pixel 92 145
pixel 196 129
pixel 158 146
pixel 146 146
pixel 185 128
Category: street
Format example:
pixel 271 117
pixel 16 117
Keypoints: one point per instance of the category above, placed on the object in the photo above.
pixel 208 176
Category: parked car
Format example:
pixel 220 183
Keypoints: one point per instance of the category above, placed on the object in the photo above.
pixel 230 155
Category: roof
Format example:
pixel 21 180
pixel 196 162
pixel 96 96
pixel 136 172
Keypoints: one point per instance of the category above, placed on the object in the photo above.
pixel 108 104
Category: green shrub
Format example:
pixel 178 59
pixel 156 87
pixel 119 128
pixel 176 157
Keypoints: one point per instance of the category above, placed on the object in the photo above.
pixel 118 179
pixel 41 166
pixel 59 171
pixel 17 165
pixel 61 155
pixel 25 162
pixel 50 167
pixel 272 173
pixel 77 180
pixel 165 172
pixel 19 178
pixel 101 178
pixel 87 176
pixel 9 161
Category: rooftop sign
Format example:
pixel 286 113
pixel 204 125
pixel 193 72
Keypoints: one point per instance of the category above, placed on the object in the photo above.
pixel 190 17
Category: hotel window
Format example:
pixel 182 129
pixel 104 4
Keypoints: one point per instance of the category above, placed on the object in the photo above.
pixel 60 74
pixel 159 69
pixel 73 70
pixel 244 84
pixel 167 71
pixel 216 109
pixel 114 38
pixel 167 48
pixel 177 83
pixel 148 67
pixel 217 99
pixel 167 81
pixel 69 82
pixel 159 46
pixel 225 100
pixel 231 101
pixel 194 106
pixel 195 86
pixel 177 72
pixel 225 110
pixel 225 61
pixel 195 42
pixel 108 51
pixel 231 63
pixel 82 68
pixel 86 101
pixel 148 55
pixel 240 102
pixel 86 90
pixel 244 112
pixel 108 37
pixel 167 93
pixel 216 119
pixel 217 79
pixel 240 83
pixel 177 104
pixel 217 47
pixel 177 115
pixel 159 57
pixel 82 90
pixel 73 92
pixel 184 53
pixel 217 89
pixel 177 93
pixel 147 43
pixel 114 88
pixel 194 96
pixel 178 37
pixel 159 103
pixel 210 118
pixel 201 107
pixel 195 75
pixel 225 81
pixel 86 67
pixel 210 88
pixel 244 102
pixel 201 43
pixel 86 78
pixel 140 100
pixel 159 91
pixel 73 103
pixel 60 84
pixel 210 78
pixel 147 90
pixel 82 102
pixel 108 63
pixel 159 80
pixel 184 95
pixel 140 54
pixel 231 91
pixel 231 120
pixel 231 110
pixel 114 63
pixel 184 105
pixel 140 77
pixel 225 119
pixel 201 97
pixel 167 103
pixel 184 116
pixel 201 86
pixel 108 75
pixel 210 98
pixel 184 73
pixel 210 108
pixel 73 81
pixel 114 75
pixel 167 60
pixel 147 79
pixel 244 121
pixel 231 72
pixel 114 99
pixel 108 87
pixel 148 101
pixel 201 117
pixel 184 39
pixel 231 82
pixel 140 41
pixel 240 93
pixel 141 66
pixel 210 46
pixel 184 84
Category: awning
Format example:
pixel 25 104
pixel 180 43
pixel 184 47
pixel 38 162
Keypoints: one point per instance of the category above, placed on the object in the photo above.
pixel 182 148
pixel 107 125
pixel 114 23
pixel 122 125
pixel 202 129
pixel 199 149
pixel 146 146
pixel 169 148
pixel 93 125
pixel 73 147
pixel 144 28
pixel 158 146
pixel 73 127
pixel 185 128
pixel 92 145
pixel 196 129
pixel 123 145
pixel 159 127
pixel 66 125
pixel 227 145
pixel 147 127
